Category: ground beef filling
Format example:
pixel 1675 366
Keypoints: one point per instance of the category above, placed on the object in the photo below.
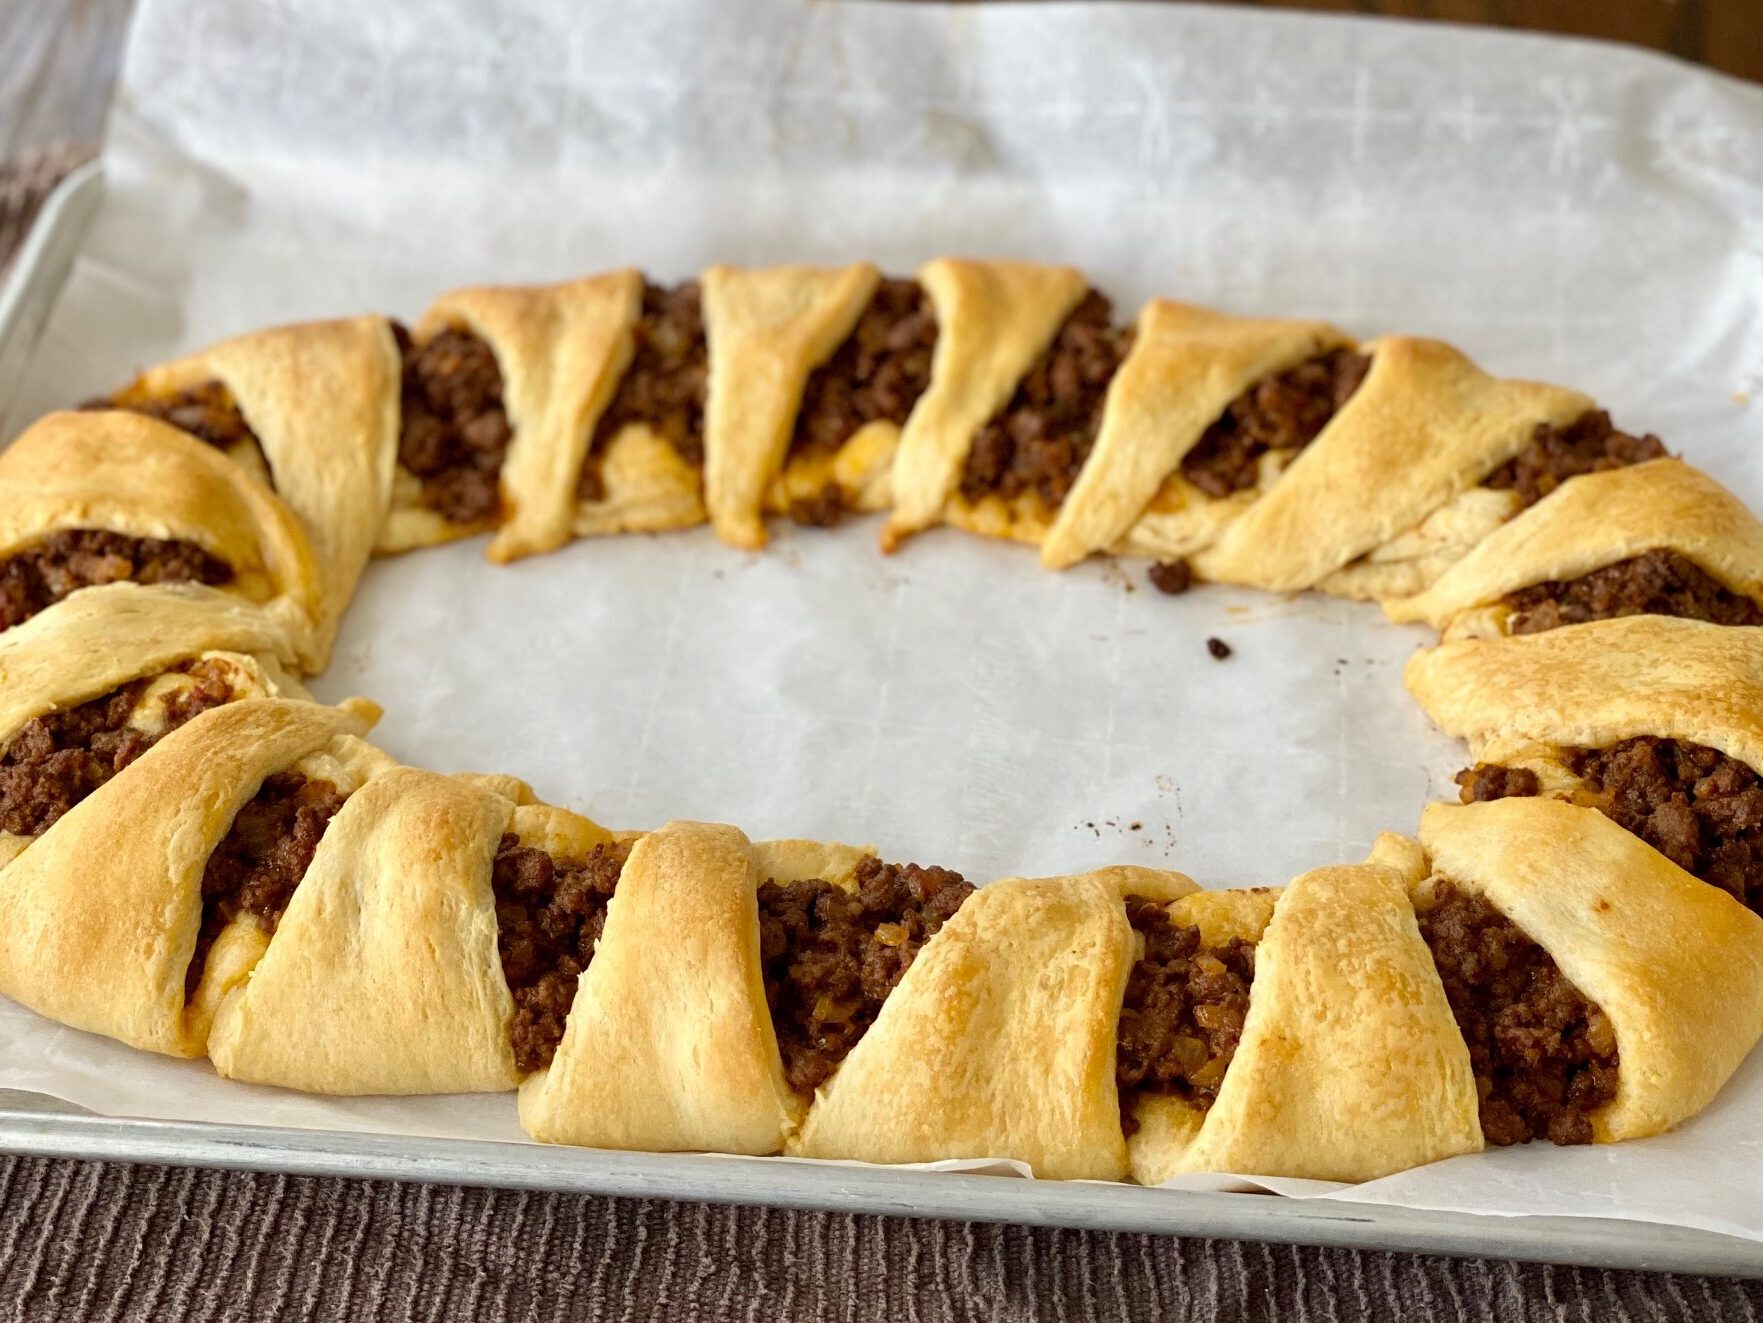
pixel 1699 808
pixel 55 761
pixel 1285 411
pixel 207 411
pixel 455 431
pixel 665 385
pixel 1544 1057
pixel 1589 444
pixel 549 914
pixel 1487 781
pixel 1039 441
pixel 1658 583
pixel 877 374
pixel 262 858
pixel 1696 806
pixel 830 957
pixel 43 574
pixel 1183 1013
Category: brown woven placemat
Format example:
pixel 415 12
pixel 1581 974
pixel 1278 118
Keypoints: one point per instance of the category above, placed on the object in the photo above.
pixel 95 1242
pixel 100 1241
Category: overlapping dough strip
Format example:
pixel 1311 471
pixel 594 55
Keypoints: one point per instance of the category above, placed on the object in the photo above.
pixel 383 972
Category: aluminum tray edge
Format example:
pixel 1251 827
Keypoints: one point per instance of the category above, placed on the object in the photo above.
pixel 1591 1242
pixel 38 271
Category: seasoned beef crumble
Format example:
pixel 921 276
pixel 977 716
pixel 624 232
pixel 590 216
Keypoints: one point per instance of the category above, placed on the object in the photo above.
pixel 825 509
pixel 831 957
pixel 665 386
pixel 1283 411
pixel 1589 444
pixel 455 431
pixel 1659 583
pixel 1544 1056
pixel 207 411
pixel 549 914
pixel 879 371
pixel 56 760
pixel 1487 781
pixel 47 571
pixel 1171 576
pixel 1695 805
pixel 1040 439
pixel 1183 1014
pixel 1700 808
pixel 258 864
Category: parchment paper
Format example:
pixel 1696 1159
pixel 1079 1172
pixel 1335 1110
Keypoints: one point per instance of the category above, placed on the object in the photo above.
pixel 1569 211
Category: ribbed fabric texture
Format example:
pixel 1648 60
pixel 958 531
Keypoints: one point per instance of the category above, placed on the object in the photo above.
pixel 95 1242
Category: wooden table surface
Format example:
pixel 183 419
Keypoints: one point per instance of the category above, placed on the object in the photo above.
pixel 1723 34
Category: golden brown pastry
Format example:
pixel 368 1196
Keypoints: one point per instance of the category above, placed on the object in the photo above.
pixel 768 329
pixel 1350 1065
pixel 1676 966
pixel 99 917
pixel 101 638
pixel 1186 365
pixel 1423 429
pixel 80 492
pixel 560 350
pixel 841 451
pixel 669 1044
pixel 643 466
pixel 195 857
pixel 1522 699
pixel 501 386
pixel 91 683
pixel 994 319
pixel 320 400
pixel 999 1041
pixel 1593 521
pixel 384 975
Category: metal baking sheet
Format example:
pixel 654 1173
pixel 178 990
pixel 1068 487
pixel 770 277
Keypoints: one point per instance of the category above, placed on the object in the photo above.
pixel 35 1124
pixel 36 276
pixel 29 1124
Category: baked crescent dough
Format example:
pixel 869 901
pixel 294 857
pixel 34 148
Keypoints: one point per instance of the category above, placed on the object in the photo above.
pixel 322 399
pixel 98 917
pixel 98 639
pixel 1185 367
pixel 1350 1065
pixel 561 350
pixel 669 1044
pixel 999 1040
pixel 993 320
pixel 1424 427
pixel 861 468
pixel 384 975
pixel 649 488
pixel 767 329
pixel 1592 521
pixel 1413 558
pixel 383 972
pixel 1676 965
pixel 123 473
pixel 1595 684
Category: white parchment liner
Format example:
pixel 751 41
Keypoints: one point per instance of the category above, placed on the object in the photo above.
pixel 1568 211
